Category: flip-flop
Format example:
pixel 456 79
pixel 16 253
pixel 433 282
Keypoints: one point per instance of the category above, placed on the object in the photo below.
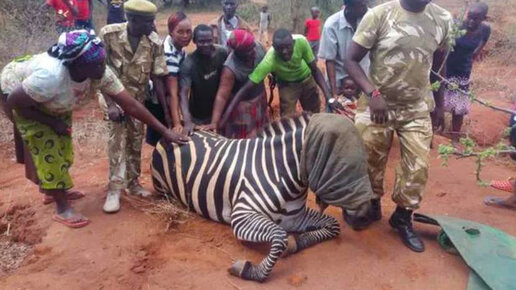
pixel 67 222
pixel 71 195
pixel 497 202
pixel 504 185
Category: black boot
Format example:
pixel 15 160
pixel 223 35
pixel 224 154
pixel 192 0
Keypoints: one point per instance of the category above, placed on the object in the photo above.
pixel 401 221
pixel 376 210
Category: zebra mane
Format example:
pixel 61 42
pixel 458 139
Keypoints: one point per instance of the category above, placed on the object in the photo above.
pixel 283 121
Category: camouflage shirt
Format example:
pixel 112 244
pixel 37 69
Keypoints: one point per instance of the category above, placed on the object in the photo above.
pixel 402 45
pixel 133 68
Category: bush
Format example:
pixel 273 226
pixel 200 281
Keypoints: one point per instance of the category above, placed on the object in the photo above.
pixel 24 31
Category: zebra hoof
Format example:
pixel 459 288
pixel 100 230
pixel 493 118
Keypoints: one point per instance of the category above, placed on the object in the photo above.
pixel 291 246
pixel 239 268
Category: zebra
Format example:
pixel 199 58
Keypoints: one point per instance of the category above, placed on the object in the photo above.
pixel 256 185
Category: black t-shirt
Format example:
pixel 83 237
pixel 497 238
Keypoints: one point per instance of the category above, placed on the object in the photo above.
pixel 202 75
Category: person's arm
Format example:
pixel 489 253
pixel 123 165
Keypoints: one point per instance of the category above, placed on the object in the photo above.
pixel 377 104
pixel 485 39
pixel 319 79
pixel 184 93
pixel 227 81
pixel 331 71
pixel 135 109
pixel 175 114
pixel 438 114
pixel 27 108
pixel 244 91
pixel 159 89
pixel 309 58
pixel 306 29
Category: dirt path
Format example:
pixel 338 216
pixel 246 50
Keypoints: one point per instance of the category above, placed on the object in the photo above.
pixel 130 250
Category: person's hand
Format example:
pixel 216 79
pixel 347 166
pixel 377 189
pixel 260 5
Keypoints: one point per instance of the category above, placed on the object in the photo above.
pixel 61 128
pixel 115 114
pixel 438 119
pixel 210 127
pixel 178 129
pixel 378 108
pixel 188 128
pixel 174 137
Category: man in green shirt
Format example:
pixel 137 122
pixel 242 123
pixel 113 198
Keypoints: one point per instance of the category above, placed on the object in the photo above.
pixel 293 64
pixel 405 38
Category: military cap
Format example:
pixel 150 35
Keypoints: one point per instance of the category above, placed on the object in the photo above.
pixel 140 7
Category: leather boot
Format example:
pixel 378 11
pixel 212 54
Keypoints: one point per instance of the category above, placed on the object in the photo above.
pixel 401 221
pixel 376 210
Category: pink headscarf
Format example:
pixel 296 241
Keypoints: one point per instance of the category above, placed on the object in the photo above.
pixel 241 40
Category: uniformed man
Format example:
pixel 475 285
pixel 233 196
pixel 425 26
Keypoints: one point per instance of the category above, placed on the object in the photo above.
pixel 402 37
pixel 135 54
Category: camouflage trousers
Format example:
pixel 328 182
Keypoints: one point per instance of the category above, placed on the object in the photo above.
pixel 124 152
pixel 414 132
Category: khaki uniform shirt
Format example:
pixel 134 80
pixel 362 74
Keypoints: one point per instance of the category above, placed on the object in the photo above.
pixel 133 68
pixel 402 45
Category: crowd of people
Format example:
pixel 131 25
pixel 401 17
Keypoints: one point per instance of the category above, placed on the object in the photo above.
pixel 378 72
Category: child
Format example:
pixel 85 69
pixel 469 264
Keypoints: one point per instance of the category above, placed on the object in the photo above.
pixel 460 63
pixel 65 12
pixel 265 21
pixel 349 98
pixel 313 29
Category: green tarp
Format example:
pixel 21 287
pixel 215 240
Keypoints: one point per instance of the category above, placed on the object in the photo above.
pixel 489 252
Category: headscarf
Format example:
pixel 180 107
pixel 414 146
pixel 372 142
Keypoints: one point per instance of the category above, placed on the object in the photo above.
pixel 240 40
pixel 78 46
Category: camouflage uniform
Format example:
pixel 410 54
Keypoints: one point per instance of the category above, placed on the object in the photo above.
pixel 402 45
pixel 134 70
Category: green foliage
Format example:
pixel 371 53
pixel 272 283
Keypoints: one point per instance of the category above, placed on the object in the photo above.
pixel 435 86
pixel 250 12
pixel 444 153
pixel 470 150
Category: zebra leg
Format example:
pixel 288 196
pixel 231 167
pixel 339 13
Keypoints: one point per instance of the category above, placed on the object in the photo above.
pixel 255 227
pixel 314 228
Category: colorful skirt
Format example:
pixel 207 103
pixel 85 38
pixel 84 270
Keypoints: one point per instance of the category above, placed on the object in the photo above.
pixel 457 102
pixel 247 118
pixel 52 155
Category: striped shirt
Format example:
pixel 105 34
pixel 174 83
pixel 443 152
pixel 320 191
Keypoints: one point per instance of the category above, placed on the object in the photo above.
pixel 174 57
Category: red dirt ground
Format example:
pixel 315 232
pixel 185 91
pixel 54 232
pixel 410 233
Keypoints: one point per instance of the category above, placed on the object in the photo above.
pixel 130 250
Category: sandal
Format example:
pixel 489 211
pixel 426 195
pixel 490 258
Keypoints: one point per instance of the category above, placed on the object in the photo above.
pixel 504 185
pixel 497 202
pixel 67 222
pixel 70 195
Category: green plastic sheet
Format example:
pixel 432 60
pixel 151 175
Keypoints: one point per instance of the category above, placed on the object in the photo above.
pixel 489 252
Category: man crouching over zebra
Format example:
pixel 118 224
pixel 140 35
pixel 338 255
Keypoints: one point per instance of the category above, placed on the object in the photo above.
pixel 260 185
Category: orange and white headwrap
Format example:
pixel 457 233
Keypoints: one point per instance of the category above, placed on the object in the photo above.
pixel 241 40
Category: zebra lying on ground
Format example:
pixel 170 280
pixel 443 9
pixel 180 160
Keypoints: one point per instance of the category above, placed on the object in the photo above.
pixel 259 185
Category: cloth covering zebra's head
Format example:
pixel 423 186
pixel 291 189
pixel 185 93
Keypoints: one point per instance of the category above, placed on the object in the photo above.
pixel 333 162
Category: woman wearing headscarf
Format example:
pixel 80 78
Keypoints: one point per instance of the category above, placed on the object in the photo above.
pixel 251 114
pixel 42 91
pixel 179 36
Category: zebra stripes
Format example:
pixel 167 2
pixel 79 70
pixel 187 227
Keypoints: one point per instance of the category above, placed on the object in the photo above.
pixel 253 184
